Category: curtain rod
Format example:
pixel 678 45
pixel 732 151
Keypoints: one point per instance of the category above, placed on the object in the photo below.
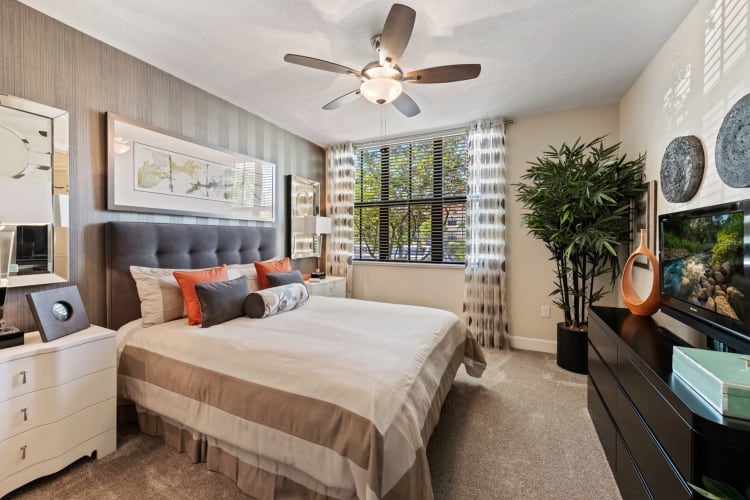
pixel 432 134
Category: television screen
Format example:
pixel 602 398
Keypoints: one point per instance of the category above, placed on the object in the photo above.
pixel 702 259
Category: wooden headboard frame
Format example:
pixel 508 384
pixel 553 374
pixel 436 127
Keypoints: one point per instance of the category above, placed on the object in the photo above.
pixel 186 246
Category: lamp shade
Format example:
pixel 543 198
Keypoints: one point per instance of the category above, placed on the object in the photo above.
pixel 316 224
pixel 62 210
pixel 25 202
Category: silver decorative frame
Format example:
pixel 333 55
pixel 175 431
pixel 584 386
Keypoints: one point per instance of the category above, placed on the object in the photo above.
pixel 303 197
pixel 250 197
pixel 59 251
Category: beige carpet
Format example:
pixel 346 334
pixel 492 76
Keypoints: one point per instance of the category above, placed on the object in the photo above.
pixel 522 431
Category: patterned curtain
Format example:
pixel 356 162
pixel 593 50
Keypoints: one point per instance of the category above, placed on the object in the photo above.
pixel 484 275
pixel 340 208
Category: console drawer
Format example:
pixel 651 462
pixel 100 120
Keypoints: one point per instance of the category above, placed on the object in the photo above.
pixel 675 435
pixel 604 380
pixel 628 477
pixel 661 477
pixel 604 344
pixel 603 424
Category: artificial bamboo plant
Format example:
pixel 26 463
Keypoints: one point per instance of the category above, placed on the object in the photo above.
pixel 579 200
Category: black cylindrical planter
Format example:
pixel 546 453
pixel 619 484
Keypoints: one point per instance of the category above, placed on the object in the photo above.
pixel 572 349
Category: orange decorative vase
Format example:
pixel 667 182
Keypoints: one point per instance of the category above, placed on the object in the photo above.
pixel 649 305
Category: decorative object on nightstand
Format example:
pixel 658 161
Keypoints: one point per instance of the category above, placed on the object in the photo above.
pixel 59 403
pixel 318 225
pixel 332 286
pixel 58 312
pixel 649 305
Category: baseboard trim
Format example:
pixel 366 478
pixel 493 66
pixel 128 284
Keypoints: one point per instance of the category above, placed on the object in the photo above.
pixel 532 344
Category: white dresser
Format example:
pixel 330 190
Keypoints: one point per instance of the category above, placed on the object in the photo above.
pixel 57 404
pixel 332 286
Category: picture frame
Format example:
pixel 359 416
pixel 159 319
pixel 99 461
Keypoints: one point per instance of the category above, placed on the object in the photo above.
pixel 643 215
pixel 154 171
pixel 58 312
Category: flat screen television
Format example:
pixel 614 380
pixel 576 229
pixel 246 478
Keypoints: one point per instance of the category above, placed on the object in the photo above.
pixel 704 261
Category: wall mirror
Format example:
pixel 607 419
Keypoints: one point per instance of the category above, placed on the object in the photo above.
pixel 303 199
pixel 34 190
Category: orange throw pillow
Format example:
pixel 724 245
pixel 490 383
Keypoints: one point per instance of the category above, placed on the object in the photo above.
pixel 187 281
pixel 274 266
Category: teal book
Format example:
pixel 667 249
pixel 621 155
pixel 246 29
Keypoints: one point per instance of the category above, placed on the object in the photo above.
pixel 721 378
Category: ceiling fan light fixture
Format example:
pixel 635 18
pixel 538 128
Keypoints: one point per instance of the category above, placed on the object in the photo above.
pixel 381 90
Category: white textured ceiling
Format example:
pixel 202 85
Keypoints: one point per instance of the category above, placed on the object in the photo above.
pixel 537 56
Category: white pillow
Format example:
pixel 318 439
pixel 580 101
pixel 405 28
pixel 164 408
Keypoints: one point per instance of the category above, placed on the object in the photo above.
pixel 160 295
pixel 246 270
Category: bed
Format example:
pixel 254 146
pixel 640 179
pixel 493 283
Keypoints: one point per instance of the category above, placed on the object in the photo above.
pixel 336 399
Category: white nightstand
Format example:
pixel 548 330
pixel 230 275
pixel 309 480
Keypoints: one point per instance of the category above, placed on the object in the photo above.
pixel 57 403
pixel 332 286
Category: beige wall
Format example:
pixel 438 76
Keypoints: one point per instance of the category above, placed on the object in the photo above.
pixel 702 70
pixel 419 285
pixel 529 270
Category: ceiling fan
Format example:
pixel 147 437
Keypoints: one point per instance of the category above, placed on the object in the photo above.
pixel 381 80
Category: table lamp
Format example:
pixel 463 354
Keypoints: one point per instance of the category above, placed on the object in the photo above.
pixel 316 224
pixel 23 202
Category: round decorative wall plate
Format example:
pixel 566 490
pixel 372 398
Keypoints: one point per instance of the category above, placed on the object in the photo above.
pixel 733 145
pixel 682 168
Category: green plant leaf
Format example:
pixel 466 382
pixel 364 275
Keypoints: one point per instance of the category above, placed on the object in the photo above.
pixel 722 489
pixel 704 493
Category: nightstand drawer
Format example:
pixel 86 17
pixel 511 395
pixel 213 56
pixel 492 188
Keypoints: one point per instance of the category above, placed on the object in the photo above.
pixel 48 441
pixel 47 406
pixel 41 371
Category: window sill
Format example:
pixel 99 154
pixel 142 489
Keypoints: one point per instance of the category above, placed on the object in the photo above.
pixel 407 264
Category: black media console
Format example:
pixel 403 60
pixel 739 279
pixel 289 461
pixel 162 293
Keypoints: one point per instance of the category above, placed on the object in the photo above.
pixel 658 434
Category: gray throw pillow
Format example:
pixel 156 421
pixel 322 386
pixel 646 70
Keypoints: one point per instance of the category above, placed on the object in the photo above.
pixel 222 300
pixel 280 279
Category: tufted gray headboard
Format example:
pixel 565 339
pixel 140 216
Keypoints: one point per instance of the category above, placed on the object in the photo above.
pixel 185 246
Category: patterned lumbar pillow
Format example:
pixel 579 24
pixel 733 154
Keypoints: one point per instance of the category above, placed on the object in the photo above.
pixel 270 301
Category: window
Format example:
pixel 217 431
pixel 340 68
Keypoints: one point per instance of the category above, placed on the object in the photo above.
pixel 410 201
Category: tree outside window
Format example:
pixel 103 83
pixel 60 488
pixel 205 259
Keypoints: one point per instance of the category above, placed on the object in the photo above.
pixel 410 201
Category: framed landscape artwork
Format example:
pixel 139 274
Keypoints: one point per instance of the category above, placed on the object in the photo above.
pixel 643 215
pixel 152 171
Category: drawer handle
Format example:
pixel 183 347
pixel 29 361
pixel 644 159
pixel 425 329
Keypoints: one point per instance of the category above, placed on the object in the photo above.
pixel 23 452
pixel 23 376
pixel 25 414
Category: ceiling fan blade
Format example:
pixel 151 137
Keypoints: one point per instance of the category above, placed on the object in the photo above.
pixel 344 99
pixel 312 62
pixel 444 74
pixel 406 105
pixel 396 33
